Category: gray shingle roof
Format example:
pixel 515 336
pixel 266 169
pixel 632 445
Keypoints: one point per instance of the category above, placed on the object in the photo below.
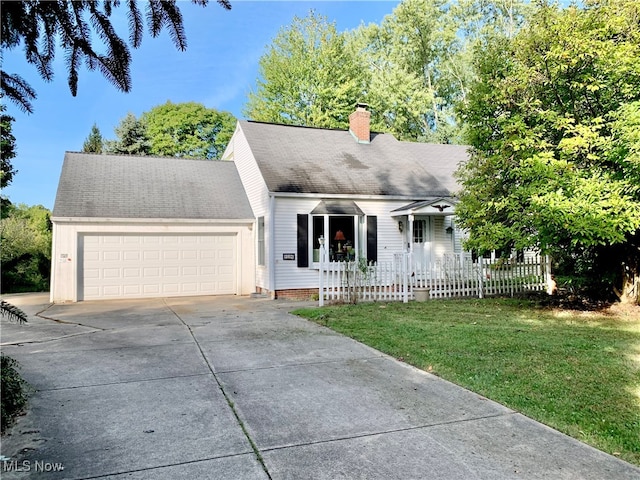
pixel 115 186
pixel 324 161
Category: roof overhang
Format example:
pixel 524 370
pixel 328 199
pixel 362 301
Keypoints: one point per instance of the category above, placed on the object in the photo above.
pixel 436 206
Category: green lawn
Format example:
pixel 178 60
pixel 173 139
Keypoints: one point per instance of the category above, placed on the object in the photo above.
pixel 576 372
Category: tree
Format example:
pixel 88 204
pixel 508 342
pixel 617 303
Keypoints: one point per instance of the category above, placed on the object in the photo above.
pixel 395 96
pixel 553 122
pixel 26 249
pixel 131 138
pixel 93 143
pixel 307 77
pixel 42 26
pixel 188 130
pixel 7 153
pixel 412 69
pixel 420 60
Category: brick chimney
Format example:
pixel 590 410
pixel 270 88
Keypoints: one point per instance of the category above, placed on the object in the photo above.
pixel 359 123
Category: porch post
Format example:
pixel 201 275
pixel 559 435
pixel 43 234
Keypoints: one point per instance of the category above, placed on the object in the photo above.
pixel 321 272
pixel 410 242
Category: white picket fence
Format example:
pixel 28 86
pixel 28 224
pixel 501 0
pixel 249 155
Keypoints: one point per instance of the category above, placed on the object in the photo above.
pixel 449 276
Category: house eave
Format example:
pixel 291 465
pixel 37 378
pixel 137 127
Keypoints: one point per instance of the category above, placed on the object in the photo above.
pixel 156 221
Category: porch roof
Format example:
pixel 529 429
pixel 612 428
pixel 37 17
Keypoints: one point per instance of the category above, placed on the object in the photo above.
pixel 432 206
pixel 337 207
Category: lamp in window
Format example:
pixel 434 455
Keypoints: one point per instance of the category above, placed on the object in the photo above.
pixel 339 238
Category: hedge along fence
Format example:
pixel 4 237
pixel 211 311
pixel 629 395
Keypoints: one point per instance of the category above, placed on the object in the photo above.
pixel 446 277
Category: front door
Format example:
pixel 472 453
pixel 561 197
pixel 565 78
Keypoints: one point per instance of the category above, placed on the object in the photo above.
pixel 422 240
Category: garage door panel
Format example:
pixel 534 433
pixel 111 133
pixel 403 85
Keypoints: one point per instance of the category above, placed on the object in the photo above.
pixel 132 266
pixel 111 273
pixel 170 271
pixel 131 273
pixel 131 256
pixel 171 255
pixel 189 255
pixel 92 256
pixel 151 273
pixel 112 291
pixel 151 255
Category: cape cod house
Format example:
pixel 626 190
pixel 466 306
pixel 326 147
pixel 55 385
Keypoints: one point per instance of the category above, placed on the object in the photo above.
pixel 145 226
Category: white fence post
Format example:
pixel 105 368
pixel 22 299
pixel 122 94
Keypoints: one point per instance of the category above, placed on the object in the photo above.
pixel 480 277
pixel 320 279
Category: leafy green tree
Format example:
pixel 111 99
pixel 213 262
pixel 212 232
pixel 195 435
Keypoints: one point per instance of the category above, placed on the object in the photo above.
pixel 94 142
pixel 7 148
pixel 188 130
pixel 44 26
pixel 131 138
pixel 308 76
pixel 554 121
pixel 395 96
pixel 412 69
pixel 421 63
pixel 26 249
pixel 7 154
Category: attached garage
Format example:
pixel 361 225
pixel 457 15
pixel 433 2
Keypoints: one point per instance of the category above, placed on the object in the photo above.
pixel 135 265
pixel 136 227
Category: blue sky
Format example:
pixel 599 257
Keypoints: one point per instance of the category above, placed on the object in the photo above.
pixel 218 69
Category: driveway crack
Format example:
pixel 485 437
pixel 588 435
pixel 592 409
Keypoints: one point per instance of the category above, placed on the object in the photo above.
pixel 232 406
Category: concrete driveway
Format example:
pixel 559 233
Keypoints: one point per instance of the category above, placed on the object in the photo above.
pixel 237 388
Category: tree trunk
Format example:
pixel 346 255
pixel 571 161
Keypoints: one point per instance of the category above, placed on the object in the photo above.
pixel 630 291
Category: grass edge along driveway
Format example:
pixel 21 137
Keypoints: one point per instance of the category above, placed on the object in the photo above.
pixel 577 372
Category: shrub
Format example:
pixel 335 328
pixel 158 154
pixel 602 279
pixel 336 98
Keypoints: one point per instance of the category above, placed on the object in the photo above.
pixel 14 391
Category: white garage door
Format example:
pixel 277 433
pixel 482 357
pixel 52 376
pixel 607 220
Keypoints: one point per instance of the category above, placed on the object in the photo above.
pixel 133 266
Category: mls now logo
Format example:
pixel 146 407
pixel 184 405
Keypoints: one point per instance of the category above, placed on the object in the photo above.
pixel 29 466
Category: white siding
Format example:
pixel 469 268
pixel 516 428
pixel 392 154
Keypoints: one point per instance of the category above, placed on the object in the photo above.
pixel 287 273
pixel 239 152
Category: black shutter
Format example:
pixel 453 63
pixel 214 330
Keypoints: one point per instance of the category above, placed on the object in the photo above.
pixel 303 240
pixel 372 239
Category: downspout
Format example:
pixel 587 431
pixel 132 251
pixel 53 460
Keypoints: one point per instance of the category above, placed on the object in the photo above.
pixel 272 245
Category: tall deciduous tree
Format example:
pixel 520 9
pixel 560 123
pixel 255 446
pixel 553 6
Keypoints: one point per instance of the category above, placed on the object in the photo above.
pixel 554 121
pixel 73 26
pixel 412 69
pixel 188 130
pixel 94 142
pixel 307 77
pixel 131 138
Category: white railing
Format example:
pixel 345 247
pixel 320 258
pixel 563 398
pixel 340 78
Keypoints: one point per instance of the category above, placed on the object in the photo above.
pixel 448 276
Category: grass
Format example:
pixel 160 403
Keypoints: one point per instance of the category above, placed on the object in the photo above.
pixel 576 372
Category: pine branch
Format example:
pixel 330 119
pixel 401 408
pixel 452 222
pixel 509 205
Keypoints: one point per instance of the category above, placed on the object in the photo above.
pixel 13 313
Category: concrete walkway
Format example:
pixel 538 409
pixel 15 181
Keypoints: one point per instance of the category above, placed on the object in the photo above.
pixel 237 388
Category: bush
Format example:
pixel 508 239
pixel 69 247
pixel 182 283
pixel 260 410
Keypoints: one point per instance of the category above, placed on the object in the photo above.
pixel 14 391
